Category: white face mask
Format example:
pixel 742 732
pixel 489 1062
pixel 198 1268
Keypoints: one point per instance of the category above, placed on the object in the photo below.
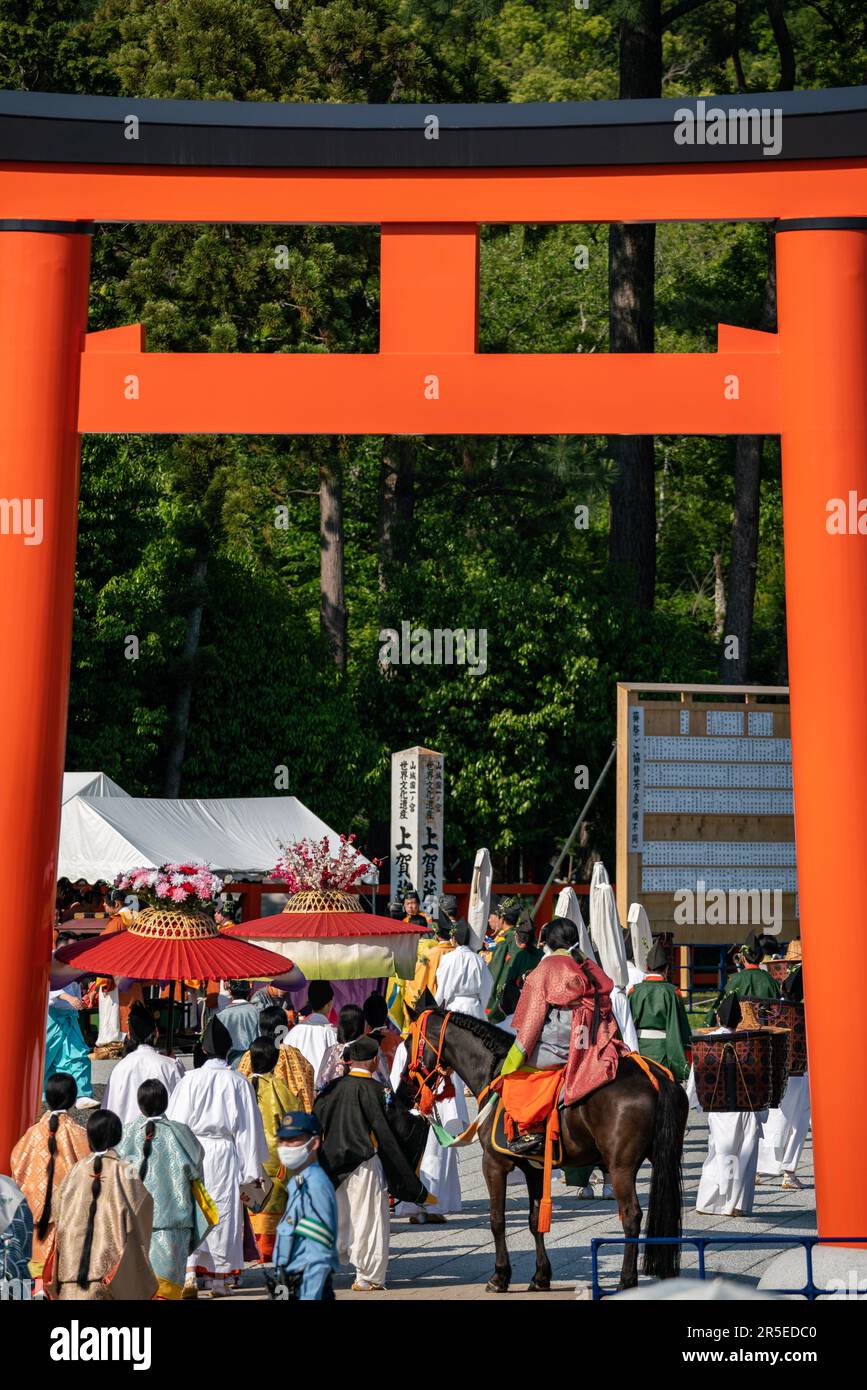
pixel 294 1156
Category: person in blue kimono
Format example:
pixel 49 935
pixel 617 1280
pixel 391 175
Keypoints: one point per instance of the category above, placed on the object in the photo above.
pixel 16 1237
pixel 167 1157
pixel 305 1250
pixel 65 1048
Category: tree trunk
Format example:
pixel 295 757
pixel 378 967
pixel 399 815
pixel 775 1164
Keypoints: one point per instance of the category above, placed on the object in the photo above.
pixel 396 502
pixel 632 534
pixel 734 668
pixel 332 603
pixel 749 449
pixel 180 716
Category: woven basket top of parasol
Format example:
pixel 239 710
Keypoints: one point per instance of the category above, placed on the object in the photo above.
pixel 323 900
pixel 173 924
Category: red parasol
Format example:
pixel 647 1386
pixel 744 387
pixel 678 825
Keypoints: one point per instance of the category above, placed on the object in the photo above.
pixel 168 946
pixel 301 925
pixel 329 938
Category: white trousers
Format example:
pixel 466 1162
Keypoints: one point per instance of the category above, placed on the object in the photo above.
pixel 362 1222
pixel 786 1130
pixel 728 1177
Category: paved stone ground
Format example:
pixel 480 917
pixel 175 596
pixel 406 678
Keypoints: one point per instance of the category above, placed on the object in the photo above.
pixel 454 1261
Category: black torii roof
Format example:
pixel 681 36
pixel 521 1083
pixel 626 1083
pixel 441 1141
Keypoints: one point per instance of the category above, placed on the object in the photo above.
pixel 42 127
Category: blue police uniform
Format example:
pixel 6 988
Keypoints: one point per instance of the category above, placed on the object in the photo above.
pixel 306 1240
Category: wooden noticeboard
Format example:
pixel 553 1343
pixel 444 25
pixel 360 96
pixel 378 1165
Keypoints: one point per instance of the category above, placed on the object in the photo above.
pixel 704 804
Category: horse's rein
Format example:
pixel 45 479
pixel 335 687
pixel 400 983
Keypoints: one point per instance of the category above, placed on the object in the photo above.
pixel 435 1079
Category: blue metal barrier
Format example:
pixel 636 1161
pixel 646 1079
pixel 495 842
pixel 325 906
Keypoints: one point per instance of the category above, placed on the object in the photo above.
pixel 809 1290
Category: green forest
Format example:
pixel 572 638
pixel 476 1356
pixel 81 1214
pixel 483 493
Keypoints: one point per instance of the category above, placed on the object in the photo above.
pixel 256 573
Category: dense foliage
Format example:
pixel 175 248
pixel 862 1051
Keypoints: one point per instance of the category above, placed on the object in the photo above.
pixel 183 545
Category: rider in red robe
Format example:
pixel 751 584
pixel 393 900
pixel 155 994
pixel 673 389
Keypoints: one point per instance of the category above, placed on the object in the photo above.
pixel 562 988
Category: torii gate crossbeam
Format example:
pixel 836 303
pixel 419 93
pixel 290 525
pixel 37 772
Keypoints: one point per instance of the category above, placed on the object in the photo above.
pixel 66 162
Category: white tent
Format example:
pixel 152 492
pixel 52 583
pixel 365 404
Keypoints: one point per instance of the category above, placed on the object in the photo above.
pixel 89 784
pixel 102 835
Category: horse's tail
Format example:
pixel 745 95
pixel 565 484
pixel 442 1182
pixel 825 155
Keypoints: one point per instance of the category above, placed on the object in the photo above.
pixel 666 1182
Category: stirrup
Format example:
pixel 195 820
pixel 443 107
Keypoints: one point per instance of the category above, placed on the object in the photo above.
pixel 527 1145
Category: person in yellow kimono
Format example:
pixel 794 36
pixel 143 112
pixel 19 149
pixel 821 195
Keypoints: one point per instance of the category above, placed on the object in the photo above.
pixel 292 1067
pixel 275 1099
pixel 430 953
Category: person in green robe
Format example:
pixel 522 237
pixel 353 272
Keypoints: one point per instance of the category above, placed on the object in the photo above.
pixel 750 982
pixel 525 957
pixel 505 919
pixel 664 1034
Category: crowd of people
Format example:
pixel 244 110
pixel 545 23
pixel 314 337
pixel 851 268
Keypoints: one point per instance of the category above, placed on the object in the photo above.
pixel 286 1143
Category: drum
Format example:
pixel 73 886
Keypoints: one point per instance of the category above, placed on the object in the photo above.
pixel 783 1013
pixel 736 1071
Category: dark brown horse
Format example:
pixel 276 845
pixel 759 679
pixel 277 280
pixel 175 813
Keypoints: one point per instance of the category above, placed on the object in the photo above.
pixel 617 1126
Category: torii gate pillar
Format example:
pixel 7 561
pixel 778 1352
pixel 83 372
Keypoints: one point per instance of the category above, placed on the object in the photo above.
pixel 822 308
pixel 43 307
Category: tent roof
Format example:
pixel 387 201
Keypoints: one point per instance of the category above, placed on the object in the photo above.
pixel 89 784
pixel 102 835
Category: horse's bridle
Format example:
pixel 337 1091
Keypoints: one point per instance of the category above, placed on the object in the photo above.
pixel 434 1083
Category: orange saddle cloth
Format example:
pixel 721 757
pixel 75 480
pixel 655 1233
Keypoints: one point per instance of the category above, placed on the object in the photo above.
pixel 529 1096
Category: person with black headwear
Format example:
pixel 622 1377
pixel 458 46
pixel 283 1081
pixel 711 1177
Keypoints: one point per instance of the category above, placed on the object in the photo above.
pixel 727 1184
pixel 314 1034
pixel 364 1159
pixel 505 921
pixel 220 1108
pixel 140 1062
pixel 785 1129
pixel 751 981
pixel 664 1034
pixel 241 1018
pixel 431 952
pixel 463 983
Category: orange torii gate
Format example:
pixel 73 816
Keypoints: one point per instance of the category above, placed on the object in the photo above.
pixel 429 176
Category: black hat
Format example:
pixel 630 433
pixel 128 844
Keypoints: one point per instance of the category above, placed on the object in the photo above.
pixel 657 958
pixel 217 1041
pixel 729 1011
pixel 793 986
pixel 362 1049
pixel 444 922
pixel 142 1024
pixel 295 1124
pixel 461 932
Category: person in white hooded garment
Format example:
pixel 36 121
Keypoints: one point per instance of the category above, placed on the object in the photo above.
pixel 606 936
pixel 463 982
pixel 219 1106
pixel 727 1184
pixel 638 942
pixel 141 1062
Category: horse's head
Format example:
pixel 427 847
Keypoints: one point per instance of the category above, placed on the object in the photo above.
pixel 440 1041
